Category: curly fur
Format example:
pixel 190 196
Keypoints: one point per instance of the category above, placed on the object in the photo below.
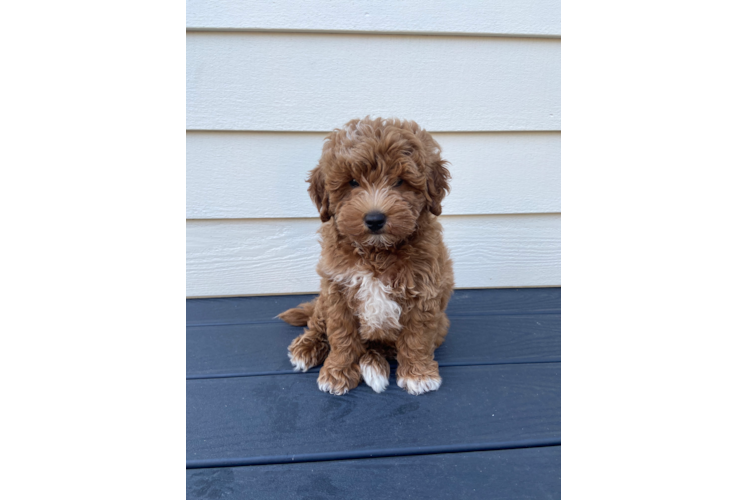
pixel 383 293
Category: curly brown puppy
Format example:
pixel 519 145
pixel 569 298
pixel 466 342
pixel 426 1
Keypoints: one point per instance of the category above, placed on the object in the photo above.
pixel 386 274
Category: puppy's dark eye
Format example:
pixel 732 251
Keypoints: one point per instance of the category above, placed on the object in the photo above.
pixel 399 182
pixel 353 183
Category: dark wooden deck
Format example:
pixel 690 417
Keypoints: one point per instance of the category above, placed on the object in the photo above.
pixel 256 429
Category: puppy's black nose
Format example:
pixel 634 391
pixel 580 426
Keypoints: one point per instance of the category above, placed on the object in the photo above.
pixel 375 221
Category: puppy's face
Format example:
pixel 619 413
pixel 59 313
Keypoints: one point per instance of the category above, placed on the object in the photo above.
pixel 376 178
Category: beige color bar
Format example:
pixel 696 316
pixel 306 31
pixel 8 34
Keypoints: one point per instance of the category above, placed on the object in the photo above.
pixel 684 173
pixel 649 251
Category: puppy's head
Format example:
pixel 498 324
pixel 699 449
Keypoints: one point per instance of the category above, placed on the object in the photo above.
pixel 376 178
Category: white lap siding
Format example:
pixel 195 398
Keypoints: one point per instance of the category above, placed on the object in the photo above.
pixel 264 86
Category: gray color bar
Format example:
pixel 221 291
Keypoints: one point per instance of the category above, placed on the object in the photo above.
pixel 654 87
pixel 678 39
pixel 652 251
pixel 684 173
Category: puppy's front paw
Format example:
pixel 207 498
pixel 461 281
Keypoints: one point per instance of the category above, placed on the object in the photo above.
pixel 338 381
pixel 419 378
pixel 419 385
pixel 376 370
pixel 307 351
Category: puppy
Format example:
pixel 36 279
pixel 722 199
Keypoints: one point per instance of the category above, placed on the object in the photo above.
pixel 386 274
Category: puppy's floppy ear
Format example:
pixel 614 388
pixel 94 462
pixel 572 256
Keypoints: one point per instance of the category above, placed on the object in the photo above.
pixel 318 193
pixel 437 183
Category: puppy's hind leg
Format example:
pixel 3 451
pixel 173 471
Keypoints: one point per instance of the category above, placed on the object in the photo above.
pixel 308 350
pixel 441 330
pixel 375 369
pixel 311 347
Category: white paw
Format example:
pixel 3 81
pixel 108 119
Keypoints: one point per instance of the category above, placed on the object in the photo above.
pixel 298 364
pixel 416 386
pixel 374 378
pixel 326 387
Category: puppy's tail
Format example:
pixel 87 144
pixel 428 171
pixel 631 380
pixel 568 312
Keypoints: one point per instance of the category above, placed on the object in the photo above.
pixel 299 315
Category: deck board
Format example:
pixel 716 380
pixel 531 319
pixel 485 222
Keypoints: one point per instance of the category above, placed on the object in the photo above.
pixel 261 348
pixel 239 336
pixel 239 310
pixel 492 430
pixel 530 473
pixel 281 415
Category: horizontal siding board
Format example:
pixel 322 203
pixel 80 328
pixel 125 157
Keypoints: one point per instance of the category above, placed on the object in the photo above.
pixel 520 474
pixel 258 175
pixel 237 310
pixel 255 257
pixel 316 82
pixel 498 17
pixel 262 347
pixel 284 415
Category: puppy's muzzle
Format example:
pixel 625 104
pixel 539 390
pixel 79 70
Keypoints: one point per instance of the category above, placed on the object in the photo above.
pixel 375 221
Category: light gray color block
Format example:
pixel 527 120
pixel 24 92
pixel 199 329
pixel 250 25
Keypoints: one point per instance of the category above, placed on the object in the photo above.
pixel 682 173
pixel 654 87
pixel 652 251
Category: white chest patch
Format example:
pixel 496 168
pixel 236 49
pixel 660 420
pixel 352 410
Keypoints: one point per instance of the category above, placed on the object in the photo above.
pixel 376 310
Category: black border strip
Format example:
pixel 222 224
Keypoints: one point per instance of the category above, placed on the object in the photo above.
pixel 362 454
